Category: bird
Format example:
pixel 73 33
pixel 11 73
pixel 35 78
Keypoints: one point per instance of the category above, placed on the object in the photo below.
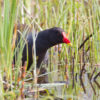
pixel 44 40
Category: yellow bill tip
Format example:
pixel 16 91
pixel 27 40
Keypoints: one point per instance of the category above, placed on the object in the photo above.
pixel 70 44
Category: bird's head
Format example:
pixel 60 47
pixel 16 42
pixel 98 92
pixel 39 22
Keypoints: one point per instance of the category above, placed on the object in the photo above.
pixel 59 36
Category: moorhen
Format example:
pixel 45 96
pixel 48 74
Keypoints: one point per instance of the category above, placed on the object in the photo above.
pixel 44 40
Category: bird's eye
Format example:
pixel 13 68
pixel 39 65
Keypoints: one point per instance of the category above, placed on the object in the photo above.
pixel 58 34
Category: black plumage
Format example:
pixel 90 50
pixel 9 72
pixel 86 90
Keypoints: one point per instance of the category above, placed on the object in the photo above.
pixel 44 40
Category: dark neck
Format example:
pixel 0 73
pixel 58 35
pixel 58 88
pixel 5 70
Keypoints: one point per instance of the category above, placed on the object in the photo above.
pixel 43 40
